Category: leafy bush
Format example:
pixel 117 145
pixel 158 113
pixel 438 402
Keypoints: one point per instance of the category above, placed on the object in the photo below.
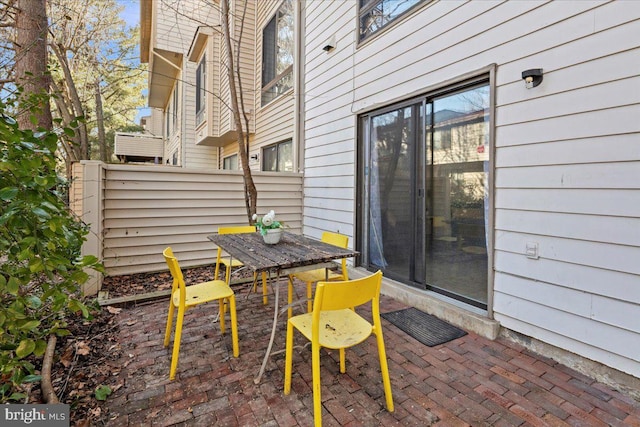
pixel 40 263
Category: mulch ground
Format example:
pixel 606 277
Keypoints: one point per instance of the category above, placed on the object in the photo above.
pixel 90 357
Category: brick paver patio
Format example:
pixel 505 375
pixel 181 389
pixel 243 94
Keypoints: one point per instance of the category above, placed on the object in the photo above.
pixel 468 381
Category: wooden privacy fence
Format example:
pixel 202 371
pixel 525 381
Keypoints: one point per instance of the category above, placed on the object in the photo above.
pixel 135 211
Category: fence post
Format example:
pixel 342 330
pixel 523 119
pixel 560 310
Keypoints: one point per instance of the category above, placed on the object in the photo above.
pixel 92 181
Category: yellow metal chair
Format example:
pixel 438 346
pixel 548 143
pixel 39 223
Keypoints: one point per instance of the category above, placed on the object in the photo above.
pixel 320 274
pixel 333 323
pixel 230 263
pixel 184 297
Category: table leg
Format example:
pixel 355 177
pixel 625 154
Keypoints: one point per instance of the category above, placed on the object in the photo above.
pixel 257 379
pixel 265 299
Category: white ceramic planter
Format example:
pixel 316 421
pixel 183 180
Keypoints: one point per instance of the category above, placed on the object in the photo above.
pixel 273 236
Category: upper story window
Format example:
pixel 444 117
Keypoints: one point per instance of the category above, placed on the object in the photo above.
pixel 201 73
pixel 277 53
pixel 278 157
pixel 230 162
pixel 172 113
pixel 374 15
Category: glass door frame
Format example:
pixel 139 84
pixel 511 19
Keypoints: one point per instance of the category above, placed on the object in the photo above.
pixel 362 193
pixel 486 75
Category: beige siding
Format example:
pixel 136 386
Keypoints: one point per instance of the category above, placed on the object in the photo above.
pixel 176 23
pixel 138 145
pixel 566 160
pixel 247 63
pixel 195 156
pixel 147 208
pixel 75 190
pixel 274 121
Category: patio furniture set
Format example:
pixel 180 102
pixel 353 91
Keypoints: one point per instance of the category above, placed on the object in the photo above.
pixel 330 320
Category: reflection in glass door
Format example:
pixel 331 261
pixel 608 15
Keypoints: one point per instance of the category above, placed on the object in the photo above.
pixel 425 193
pixel 392 155
pixel 457 157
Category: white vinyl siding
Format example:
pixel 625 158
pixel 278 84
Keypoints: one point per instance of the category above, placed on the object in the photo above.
pixel 566 152
pixel 330 135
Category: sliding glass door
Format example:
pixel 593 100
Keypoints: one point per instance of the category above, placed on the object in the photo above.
pixel 424 192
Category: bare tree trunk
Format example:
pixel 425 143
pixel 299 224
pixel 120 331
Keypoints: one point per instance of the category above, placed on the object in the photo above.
pixel 76 103
pixel 102 140
pixel 71 144
pixel 31 61
pixel 250 191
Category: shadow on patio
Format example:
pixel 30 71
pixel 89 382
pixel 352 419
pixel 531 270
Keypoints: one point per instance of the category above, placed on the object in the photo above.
pixel 467 381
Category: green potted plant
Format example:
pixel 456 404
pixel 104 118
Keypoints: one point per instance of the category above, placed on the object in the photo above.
pixel 269 227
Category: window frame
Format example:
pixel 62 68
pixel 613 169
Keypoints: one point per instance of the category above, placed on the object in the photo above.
pixel 475 79
pixel 267 94
pixel 172 113
pixel 201 90
pixel 366 6
pixel 277 146
pixel 229 158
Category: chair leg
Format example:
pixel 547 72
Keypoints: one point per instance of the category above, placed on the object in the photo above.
pixel 309 297
pixel 317 398
pixel 228 278
pixel 384 370
pixel 234 325
pixel 290 297
pixel 167 333
pixel 288 360
pixel 176 344
pixel 221 317
pixel 343 365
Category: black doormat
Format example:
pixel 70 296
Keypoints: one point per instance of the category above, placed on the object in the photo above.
pixel 427 329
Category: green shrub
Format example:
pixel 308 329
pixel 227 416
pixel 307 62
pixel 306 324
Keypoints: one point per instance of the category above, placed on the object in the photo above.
pixel 41 269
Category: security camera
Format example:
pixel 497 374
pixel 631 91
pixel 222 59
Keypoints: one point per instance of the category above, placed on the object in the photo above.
pixel 532 78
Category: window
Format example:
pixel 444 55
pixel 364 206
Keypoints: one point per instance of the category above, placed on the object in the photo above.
pixel 278 157
pixel 172 113
pixel 230 162
pixel 277 54
pixel 377 14
pixel 201 73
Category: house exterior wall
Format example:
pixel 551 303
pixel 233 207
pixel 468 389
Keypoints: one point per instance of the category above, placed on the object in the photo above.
pixel 195 156
pixel 565 162
pixel 173 31
pixel 274 121
pixel 153 122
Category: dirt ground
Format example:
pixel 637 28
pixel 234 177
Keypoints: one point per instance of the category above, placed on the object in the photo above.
pixel 90 357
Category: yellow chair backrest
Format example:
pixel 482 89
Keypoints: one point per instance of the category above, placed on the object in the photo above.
pixel 347 294
pixel 237 229
pixel 176 273
pixel 341 241
pixel 234 229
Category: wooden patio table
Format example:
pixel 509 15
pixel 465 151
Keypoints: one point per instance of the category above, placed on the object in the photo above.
pixel 292 254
